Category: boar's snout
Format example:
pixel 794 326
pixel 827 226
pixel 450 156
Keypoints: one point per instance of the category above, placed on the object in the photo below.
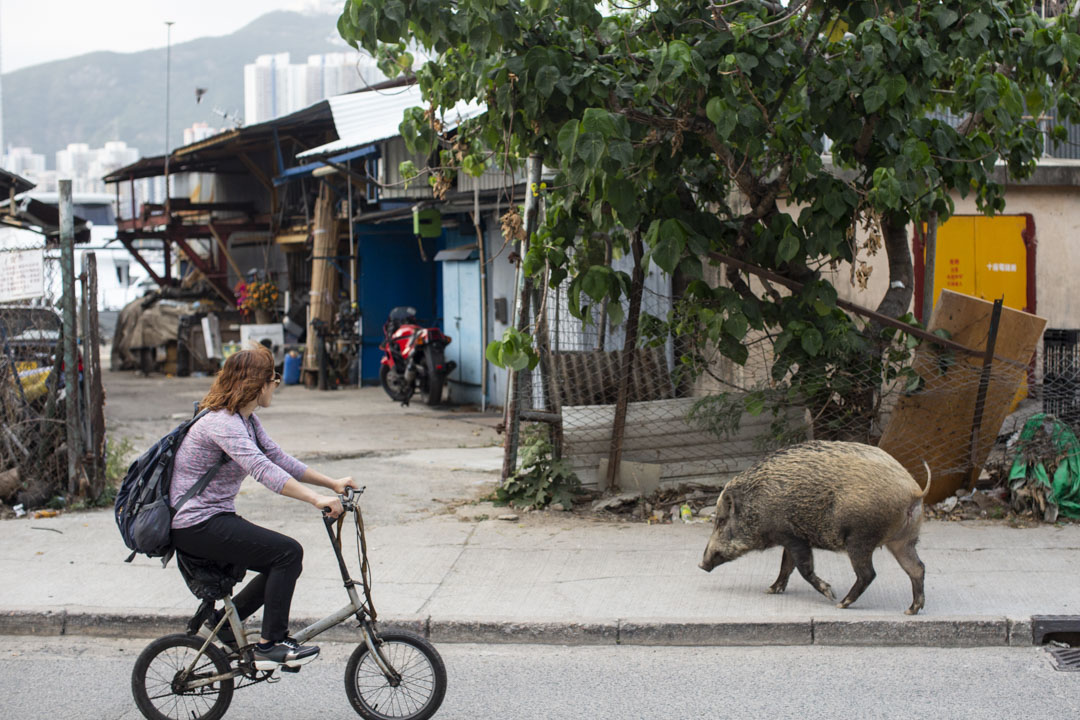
pixel 714 555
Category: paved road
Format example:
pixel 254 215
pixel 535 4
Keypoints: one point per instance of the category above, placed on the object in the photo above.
pixel 79 677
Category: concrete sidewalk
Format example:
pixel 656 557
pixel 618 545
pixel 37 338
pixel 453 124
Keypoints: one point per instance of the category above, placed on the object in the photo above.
pixel 443 564
pixel 559 579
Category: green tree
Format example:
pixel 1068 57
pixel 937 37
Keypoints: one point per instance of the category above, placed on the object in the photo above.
pixel 696 127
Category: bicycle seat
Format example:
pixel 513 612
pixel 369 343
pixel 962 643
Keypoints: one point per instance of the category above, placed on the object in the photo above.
pixel 206 579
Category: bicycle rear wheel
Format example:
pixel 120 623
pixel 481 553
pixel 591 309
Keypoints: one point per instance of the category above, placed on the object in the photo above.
pixel 416 696
pixel 158 690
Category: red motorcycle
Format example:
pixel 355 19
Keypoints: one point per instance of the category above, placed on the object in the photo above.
pixel 413 358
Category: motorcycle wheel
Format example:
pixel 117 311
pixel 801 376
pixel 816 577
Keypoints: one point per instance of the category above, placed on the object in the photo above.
pixel 431 391
pixel 393 383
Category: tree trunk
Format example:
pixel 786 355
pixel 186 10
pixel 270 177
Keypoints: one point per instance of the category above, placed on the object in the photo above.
pixel 901 274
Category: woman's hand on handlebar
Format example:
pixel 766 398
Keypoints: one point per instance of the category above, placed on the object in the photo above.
pixel 329 504
pixel 341 484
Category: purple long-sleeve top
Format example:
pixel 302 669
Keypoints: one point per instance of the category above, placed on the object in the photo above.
pixel 222 431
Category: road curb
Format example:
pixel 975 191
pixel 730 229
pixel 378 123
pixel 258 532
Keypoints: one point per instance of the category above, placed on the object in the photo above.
pixel 925 632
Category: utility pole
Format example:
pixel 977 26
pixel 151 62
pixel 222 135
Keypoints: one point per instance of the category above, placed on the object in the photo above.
pixel 168 73
pixel 71 369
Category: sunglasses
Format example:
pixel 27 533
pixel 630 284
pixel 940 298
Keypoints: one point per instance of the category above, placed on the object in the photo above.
pixel 276 379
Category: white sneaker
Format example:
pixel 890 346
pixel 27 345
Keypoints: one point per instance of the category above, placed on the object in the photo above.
pixel 288 652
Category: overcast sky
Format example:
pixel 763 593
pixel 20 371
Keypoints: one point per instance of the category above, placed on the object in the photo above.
pixel 37 31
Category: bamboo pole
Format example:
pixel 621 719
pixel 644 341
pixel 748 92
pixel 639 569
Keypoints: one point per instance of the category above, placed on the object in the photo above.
pixel 322 274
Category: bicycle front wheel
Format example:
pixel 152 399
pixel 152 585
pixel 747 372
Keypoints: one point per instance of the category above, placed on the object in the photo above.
pixel 418 693
pixel 162 693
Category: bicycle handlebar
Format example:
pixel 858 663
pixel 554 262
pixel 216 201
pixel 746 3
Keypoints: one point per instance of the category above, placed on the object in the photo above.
pixel 348 499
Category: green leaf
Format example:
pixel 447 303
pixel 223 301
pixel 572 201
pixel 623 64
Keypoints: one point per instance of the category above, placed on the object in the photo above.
pixel 620 194
pixel 976 23
pixel 669 245
pixel 545 80
pixel 622 152
pixel 715 109
pixel 595 282
pixel 754 404
pixel 789 245
pixel 895 87
pixel 615 313
pixel 474 165
pixel 874 97
pixel 590 148
pixel 600 121
pixel 568 137
pixel 746 62
pixel 811 341
pixel 736 325
pixel 749 116
pixel 945 15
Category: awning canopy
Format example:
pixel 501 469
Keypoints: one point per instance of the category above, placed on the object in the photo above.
pixel 10 181
pixel 465 252
pixel 41 217
pixel 308 168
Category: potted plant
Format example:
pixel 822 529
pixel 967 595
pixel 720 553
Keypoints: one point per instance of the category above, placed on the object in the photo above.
pixel 258 297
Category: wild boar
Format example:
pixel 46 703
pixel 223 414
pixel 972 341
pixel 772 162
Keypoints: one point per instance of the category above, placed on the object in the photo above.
pixel 830 495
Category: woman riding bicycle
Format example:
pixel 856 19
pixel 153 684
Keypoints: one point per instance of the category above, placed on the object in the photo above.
pixel 208 527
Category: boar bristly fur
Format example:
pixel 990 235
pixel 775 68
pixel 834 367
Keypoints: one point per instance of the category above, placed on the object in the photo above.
pixel 838 496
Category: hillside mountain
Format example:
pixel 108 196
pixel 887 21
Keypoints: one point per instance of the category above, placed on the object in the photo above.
pixel 121 96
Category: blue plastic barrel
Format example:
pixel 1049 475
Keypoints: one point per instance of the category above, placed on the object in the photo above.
pixel 291 376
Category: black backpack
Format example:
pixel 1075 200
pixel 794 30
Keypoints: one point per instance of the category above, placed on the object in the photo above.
pixel 142 506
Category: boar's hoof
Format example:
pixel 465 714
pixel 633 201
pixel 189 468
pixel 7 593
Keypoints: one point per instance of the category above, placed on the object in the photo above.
pixel 825 589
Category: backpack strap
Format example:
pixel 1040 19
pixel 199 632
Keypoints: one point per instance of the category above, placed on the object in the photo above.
pixel 208 476
pixel 201 484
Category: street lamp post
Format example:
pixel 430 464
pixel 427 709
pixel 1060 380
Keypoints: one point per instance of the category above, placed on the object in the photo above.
pixel 168 73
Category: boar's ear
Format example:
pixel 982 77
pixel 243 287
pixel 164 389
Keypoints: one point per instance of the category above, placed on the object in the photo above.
pixel 725 505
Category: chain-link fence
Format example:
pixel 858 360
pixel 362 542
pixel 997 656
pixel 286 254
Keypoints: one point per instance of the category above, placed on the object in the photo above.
pixel 669 409
pixel 35 467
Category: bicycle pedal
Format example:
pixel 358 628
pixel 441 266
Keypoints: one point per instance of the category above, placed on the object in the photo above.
pixel 286 668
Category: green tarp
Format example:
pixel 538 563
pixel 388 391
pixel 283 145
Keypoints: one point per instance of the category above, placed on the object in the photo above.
pixel 1065 485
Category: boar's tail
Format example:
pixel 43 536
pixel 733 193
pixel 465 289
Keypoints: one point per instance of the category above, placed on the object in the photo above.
pixel 926 490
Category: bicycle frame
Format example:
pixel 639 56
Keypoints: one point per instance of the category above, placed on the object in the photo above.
pixel 355 608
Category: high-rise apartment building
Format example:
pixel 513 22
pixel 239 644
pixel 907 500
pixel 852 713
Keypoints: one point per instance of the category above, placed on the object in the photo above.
pixel 266 83
pixel 86 166
pixel 274 87
pixel 199 131
pixel 24 161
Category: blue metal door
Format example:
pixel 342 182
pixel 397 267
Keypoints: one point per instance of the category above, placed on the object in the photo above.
pixel 461 305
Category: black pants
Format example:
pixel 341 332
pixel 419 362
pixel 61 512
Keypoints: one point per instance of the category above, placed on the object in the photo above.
pixel 229 538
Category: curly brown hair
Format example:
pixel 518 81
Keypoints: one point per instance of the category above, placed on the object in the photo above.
pixel 240 381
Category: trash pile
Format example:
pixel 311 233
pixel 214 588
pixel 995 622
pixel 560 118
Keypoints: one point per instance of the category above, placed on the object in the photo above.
pixel 979 504
pixel 685 502
pixel 1034 476
pixel 33 449
pixel 1044 479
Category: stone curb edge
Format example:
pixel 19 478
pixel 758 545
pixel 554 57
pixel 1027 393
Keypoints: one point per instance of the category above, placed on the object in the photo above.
pixel 925 632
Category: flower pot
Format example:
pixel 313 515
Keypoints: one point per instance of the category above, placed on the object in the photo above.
pixel 263 317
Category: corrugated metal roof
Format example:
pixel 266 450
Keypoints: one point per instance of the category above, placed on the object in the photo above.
pixel 363 118
pixel 10 181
